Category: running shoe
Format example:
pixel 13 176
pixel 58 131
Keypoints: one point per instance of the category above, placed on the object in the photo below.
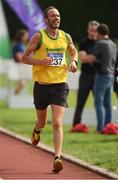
pixel 35 137
pixel 57 165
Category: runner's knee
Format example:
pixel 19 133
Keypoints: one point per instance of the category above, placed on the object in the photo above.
pixel 57 124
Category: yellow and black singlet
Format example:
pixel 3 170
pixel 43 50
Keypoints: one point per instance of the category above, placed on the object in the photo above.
pixel 56 49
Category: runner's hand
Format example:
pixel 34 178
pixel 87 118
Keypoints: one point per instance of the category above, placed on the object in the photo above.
pixel 72 67
pixel 46 62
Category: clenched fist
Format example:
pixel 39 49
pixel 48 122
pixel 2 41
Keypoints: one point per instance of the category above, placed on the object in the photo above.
pixel 46 62
pixel 72 67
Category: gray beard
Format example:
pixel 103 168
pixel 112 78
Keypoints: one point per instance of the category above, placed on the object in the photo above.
pixel 54 27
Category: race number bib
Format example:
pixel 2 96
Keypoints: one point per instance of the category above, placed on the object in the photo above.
pixel 57 59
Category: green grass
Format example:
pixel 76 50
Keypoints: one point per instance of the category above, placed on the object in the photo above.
pixel 97 149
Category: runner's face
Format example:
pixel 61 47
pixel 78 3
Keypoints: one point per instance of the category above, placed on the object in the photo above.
pixel 92 32
pixel 53 19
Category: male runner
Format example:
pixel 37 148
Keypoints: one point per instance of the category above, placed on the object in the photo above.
pixel 49 74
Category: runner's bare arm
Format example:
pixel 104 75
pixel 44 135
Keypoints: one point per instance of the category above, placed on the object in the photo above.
pixel 32 46
pixel 73 54
pixel 72 50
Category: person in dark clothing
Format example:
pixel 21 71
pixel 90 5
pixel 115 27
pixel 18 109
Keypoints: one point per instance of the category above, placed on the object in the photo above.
pixel 86 79
pixel 115 88
pixel 104 57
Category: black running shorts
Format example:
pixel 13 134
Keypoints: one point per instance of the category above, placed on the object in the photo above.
pixel 45 95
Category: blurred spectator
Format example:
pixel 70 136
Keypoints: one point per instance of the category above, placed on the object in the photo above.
pixel 116 78
pixel 87 71
pixel 104 58
pixel 20 42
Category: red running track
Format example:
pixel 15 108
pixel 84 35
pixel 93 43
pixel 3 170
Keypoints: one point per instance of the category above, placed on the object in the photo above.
pixel 21 161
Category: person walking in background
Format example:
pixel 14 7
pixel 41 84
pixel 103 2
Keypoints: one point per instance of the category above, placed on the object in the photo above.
pixel 20 41
pixel 86 79
pixel 104 59
pixel 50 68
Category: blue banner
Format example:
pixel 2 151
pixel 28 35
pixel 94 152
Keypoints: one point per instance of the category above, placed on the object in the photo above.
pixel 30 14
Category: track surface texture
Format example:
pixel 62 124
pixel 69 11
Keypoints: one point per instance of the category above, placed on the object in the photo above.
pixel 21 161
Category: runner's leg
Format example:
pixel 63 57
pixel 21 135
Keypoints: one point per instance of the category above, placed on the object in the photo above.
pixel 40 123
pixel 41 118
pixel 57 114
